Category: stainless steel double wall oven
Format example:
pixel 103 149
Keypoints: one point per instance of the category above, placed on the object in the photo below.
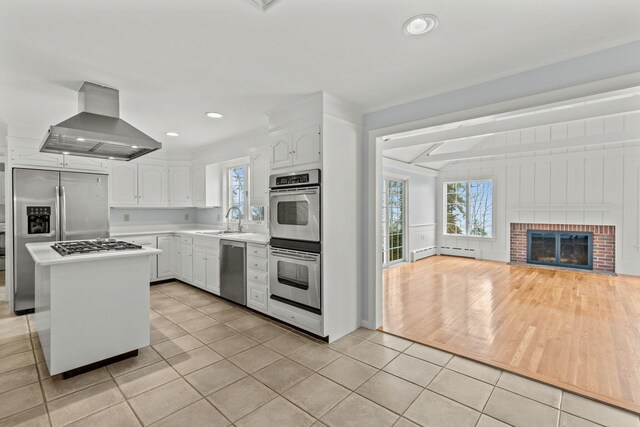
pixel 295 227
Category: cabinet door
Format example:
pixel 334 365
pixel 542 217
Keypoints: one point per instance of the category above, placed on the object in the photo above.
pixel 258 178
pixel 198 185
pixel 213 271
pixel 152 185
pixel 177 256
pixel 187 262
pixel 84 163
pixel 180 186
pixel 199 267
pixel 306 146
pixel 165 259
pixel 28 155
pixel 213 185
pixel 124 184
pixel 280 151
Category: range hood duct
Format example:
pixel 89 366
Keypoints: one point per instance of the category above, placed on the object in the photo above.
pixel 97 130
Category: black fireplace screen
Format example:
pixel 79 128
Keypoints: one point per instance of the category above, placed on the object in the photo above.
pixel 560 248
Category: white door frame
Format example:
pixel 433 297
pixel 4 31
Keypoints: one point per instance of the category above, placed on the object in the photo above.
pixel 375 141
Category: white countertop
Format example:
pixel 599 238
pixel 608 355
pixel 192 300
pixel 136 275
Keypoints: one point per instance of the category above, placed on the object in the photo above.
pixel 43 254
pixel 258 238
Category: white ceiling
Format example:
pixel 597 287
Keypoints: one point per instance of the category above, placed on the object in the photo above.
pixel 174 60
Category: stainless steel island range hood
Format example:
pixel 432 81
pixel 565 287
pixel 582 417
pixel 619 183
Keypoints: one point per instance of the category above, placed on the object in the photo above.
pixel 97 130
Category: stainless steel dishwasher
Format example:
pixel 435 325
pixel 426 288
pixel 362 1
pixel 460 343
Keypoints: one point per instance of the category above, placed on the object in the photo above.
pixel 233 278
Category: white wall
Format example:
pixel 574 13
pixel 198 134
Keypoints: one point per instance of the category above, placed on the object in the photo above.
pixel 422 204
pixel 597 185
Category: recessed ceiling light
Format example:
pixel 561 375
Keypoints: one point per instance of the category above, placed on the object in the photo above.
pixel 66 153
pixel 214 115
pixel 172 133
pixel 420 24
pixel 79 139
pixel 134 146
pixel 111 158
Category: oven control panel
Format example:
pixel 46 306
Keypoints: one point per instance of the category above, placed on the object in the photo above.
pixel 292 180
pixel 295 179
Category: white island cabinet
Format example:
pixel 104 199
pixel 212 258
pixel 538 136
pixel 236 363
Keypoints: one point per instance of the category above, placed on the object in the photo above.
pixel 90 308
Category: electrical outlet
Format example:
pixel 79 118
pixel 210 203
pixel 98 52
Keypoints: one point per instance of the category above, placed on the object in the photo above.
pixel 125 217
pixel 186 217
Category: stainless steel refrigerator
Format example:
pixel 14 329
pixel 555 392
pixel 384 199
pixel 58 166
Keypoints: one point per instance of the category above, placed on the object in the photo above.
pixel 50 206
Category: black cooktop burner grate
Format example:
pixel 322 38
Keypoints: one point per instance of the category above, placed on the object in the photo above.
pixel 92 246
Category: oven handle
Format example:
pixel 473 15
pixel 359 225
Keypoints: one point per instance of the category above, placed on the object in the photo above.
pixel 292 192
pixel 296 257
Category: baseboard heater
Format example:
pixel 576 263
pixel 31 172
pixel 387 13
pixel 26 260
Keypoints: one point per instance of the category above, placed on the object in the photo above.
pixel 423 253
pixel 462 252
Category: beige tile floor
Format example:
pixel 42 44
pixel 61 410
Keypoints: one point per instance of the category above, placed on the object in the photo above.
pixel 212 363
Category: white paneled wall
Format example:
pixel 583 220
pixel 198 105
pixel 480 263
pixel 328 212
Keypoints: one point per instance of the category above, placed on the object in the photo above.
pixel 422 236
pixel 597 185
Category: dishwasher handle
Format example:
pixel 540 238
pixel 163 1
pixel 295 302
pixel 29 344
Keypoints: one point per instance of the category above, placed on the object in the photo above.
pixel 232 243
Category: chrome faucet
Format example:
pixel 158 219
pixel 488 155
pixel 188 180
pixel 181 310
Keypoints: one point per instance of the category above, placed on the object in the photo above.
pixel 227 216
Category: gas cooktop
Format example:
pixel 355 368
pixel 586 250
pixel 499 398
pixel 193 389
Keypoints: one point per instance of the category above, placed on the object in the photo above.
pixel 81 247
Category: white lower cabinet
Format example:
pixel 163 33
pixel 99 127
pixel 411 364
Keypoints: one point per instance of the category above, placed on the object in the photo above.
pixel 177 257
pixel 151 242
pixel 165 259
pixel 212 267
pixel 186 257
pixel 199 267
pixel 257 278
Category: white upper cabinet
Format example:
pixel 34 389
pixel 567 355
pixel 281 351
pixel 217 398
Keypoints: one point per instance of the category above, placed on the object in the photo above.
pixel 259 178
pixel 28 155
pixel 138 184
pixel 198 180
pixel 85 163
pixel 296 148
pixel 180 186
pixel 124 183
pixel 281 151
pixel 152 185
pixel 306 146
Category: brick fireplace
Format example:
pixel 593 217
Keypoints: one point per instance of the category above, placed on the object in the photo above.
pixel 602 238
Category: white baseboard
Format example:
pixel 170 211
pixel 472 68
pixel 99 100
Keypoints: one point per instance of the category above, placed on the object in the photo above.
pixel 462 252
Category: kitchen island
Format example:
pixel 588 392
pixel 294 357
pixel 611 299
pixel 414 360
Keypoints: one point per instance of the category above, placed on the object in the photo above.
pixel 92 308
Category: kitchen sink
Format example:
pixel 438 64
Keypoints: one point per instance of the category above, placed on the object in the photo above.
pixel 215 233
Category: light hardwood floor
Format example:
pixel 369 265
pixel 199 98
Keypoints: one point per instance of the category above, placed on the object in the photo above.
pixel 579 331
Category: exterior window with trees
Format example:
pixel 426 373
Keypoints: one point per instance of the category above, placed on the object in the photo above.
pixel 393 221
pixel 238 193
pixel 469 208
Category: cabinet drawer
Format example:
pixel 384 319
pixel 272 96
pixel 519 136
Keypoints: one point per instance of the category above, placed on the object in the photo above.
pixel 257 276
pixel 257 297
pixel 309 322
pixel 256 263
pixel 256 250
pixel 187 240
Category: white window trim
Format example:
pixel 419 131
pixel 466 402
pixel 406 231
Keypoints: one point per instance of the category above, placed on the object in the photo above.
pixel 493 208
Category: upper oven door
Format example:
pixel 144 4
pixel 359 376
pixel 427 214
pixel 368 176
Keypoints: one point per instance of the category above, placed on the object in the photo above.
pixel 295 214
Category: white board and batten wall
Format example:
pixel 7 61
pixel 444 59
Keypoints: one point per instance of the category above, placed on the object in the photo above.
pixel 595 185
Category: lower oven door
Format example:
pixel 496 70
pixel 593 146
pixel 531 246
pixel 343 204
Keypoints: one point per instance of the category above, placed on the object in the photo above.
pixel 295 214
pixel 295 278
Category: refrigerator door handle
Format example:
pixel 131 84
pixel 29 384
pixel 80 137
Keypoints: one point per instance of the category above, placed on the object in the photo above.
pixel 63 213
pixel 57 232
